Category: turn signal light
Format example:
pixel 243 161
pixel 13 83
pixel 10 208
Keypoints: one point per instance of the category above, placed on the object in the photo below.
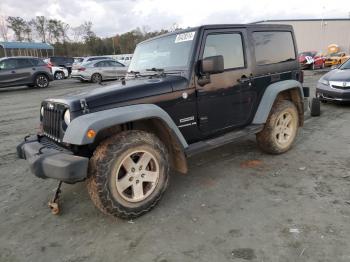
pixel 91 133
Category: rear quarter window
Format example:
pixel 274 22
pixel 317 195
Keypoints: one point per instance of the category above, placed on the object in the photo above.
pixel 273 47
pixel 38 62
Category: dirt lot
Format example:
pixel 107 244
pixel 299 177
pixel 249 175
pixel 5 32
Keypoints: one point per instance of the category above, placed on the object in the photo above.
pixel 236 203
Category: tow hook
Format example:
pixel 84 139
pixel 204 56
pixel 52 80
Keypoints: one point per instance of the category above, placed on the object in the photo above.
pixel 54 203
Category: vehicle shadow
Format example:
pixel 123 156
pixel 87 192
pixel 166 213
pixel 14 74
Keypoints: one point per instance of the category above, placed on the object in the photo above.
pixel 16 89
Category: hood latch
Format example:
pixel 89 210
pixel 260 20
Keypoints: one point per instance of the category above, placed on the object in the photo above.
pixel 84 106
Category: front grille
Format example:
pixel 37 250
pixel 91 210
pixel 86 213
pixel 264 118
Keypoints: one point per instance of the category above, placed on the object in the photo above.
pixel 52 120
pixel 340 85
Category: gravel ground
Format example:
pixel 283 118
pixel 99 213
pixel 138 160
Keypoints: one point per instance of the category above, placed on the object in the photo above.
pixel 236 203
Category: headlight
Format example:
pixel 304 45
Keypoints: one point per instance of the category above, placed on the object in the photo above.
pixel 324 81
pixel 42 112
pixel 66 117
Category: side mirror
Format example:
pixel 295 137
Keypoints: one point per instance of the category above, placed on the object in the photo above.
pixel 212 65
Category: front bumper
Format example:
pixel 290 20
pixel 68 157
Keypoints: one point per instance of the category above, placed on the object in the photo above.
pixel 47 160
pixel 325 92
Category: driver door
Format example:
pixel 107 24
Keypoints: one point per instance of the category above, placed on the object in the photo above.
pixel 227 100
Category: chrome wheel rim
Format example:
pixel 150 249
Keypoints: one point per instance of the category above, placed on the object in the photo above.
pixel 284 129
pixel 42 81
pixel 137 176
pixel 59 76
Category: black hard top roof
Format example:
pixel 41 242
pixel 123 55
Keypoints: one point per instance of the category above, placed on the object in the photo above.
pixel 227 26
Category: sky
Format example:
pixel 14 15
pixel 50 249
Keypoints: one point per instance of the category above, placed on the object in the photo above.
pixel 111 17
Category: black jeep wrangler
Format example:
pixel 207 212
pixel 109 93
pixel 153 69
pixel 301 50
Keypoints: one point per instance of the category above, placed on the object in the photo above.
pixel 185 92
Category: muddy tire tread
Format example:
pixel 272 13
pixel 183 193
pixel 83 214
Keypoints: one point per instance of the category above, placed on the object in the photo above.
pixel 100 164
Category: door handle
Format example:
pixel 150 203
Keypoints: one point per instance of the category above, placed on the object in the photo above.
pixel 33 68
pixel 13 72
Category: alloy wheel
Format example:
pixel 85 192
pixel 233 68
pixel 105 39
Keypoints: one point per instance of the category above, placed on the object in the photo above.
pixel 137 176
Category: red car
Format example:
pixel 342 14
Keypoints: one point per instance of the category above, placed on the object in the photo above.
pixel 311 60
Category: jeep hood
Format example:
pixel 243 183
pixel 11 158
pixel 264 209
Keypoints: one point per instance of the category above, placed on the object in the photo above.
pixel 114 95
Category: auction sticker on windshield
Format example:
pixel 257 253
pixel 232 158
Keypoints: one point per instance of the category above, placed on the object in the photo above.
pixel 184 37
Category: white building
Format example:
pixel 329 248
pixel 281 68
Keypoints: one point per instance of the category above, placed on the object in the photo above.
pixel 317 34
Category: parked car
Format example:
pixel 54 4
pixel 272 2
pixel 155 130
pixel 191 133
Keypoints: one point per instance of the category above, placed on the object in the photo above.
pixel 58 72
pixel 336 59
pixel 187 91
pixel 61 61
pixel 30 71
pixel 335 85
pixel 84 60
pixel 99 70
pixel 311 60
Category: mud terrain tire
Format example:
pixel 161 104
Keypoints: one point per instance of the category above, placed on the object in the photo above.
pixel 120 164
pixel 280 128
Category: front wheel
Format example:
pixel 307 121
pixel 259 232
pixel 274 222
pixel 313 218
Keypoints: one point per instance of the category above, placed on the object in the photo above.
pixel 280 128
pixel 41 81
pixel 128 174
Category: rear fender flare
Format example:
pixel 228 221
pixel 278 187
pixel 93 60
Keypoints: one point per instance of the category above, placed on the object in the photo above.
pixel 270 96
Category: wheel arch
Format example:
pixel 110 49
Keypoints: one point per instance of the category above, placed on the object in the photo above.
pixel 290 90
pixel 40 73
pixel 146 117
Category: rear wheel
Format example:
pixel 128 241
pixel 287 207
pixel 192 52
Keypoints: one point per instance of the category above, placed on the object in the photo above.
pixel 96 78
pixel 280 128
pixel 59 75
pixel 128 174
pixel 41 81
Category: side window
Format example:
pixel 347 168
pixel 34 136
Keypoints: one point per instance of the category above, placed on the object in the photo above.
pixel 23 63
pixel 229 45
pixel 273 47
pixel 8 64
pixel 38 62
pixel 114 63
pixel 100 64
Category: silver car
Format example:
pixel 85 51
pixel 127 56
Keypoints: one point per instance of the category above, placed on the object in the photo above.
pixel 99 70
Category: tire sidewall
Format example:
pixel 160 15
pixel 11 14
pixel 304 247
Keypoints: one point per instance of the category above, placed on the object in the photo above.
pixel 105 175
pixel 265 138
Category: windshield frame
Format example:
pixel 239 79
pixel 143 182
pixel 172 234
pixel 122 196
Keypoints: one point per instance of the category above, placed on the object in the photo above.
pixel 187 69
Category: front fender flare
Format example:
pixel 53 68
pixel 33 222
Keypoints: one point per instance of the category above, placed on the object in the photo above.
pixel 77 129
pixel 270 96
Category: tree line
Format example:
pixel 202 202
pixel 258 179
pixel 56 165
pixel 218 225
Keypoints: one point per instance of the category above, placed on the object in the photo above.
pixel 72 41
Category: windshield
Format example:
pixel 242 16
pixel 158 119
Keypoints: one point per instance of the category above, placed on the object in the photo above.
pixel 169 53
pixel 346 65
